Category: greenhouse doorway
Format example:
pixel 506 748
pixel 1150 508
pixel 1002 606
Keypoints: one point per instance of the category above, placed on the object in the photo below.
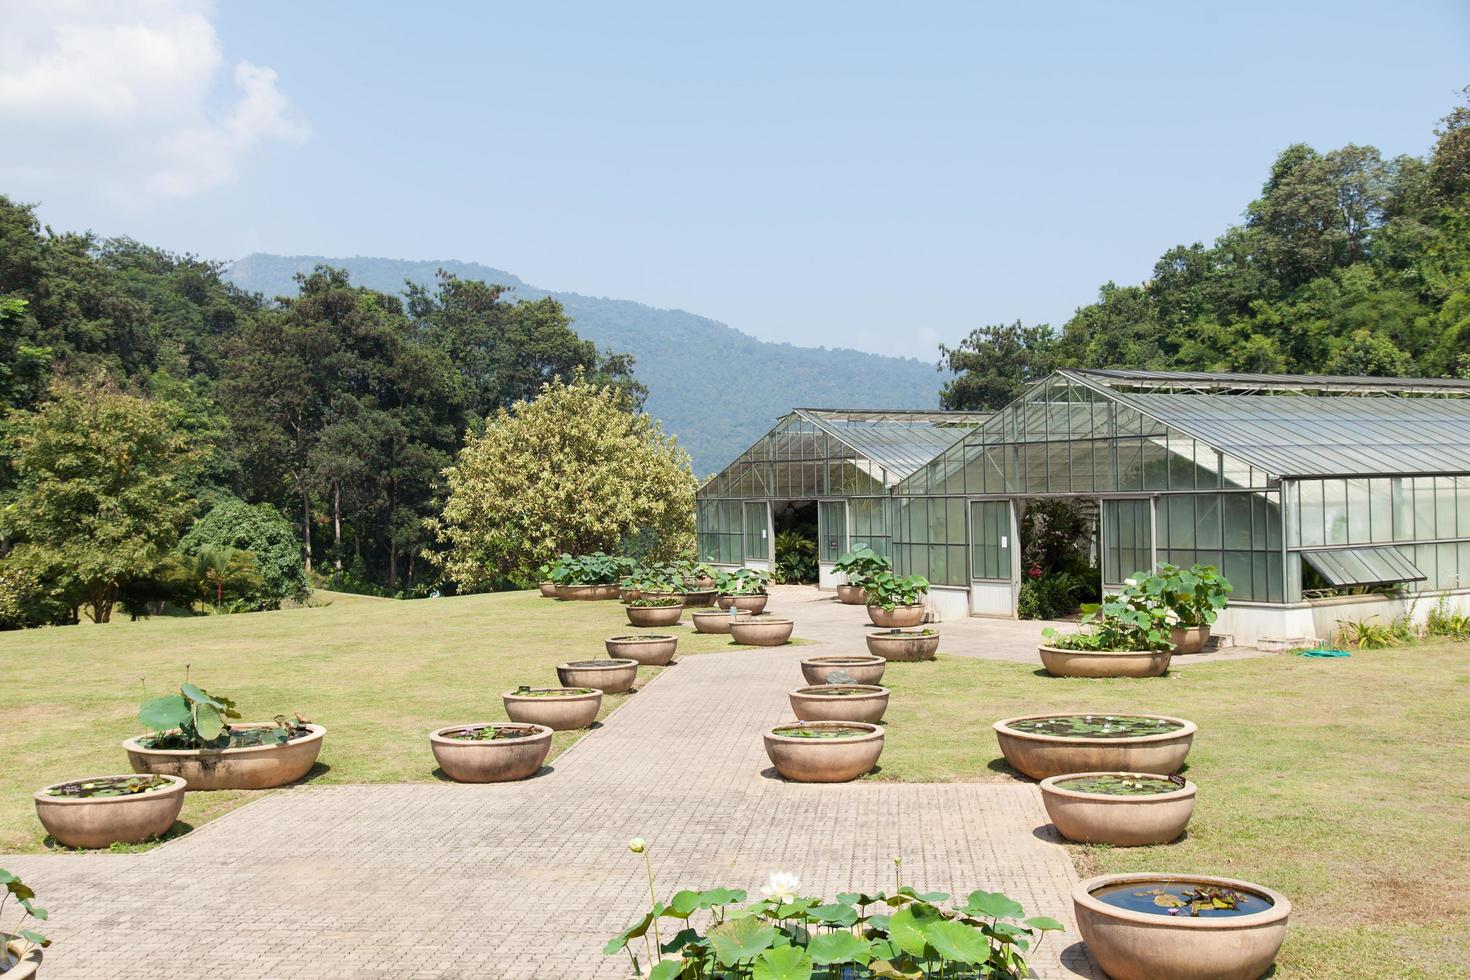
pixel 795 545
pixel 1061 541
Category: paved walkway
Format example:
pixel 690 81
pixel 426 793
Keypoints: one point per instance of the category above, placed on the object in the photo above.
pixel 528 880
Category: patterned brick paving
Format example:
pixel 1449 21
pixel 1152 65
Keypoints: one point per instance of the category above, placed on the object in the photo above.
pixel 527 880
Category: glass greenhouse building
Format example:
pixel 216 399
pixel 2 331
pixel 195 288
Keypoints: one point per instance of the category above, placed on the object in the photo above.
pixel 1320 498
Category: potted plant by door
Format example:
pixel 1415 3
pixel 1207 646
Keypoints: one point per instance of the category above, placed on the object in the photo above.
pixel 100 811
pixel 192 738
pixel 1126 635
pixel 490 752
pixel 1195 596
pixel 895 602
pixel 1143 926
pixel 744 588
pixel 857 567
pixel 20 945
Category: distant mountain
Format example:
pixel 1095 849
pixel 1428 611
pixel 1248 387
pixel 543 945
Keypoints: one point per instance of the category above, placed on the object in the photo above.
pixel 718 389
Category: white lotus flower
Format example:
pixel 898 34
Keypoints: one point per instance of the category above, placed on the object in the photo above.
pixel 1171 617
pixel 637 846
pixel 782 887
pixel 1130 581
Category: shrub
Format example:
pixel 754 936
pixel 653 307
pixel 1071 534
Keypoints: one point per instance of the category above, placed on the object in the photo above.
pixel 267 548
pixel 796 557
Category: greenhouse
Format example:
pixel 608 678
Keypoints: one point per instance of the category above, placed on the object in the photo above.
pixel 1320 498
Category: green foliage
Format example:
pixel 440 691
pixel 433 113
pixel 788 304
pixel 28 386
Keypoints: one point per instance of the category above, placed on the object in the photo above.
pixel 1195 595
pixel 18 933
pixel 1442 622
pixel 787 937
pixel 891 591
pixel 260 531
pixel 1132 619
pixel 196 719
pixel 862 563
pixel 596 568
pixel 574 471
pixel 796 558
pixel 1346 263
pixel 1049 597
pixel 1369 635
pixel 100 493
pixel 743 581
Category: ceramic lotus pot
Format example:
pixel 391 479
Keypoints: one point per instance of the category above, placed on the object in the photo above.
pixel 715 620
pixel 861 669
pixel 645 617
pixel 1189 639
pixel 491 760
pixel 749 603
pixel 700 597
pixel 101 821
pixel 852 595
pixel 1042 755
pixel 548 589
pixel 560 709
pixel 825 760
pixel 761 631
pixel 583 593
pixel 898 617
pixel 840 702
pixel 649 650
pixel 907 646
pixel 607 676
pixel 1103 663
pixel 1132 945
pixel 1118 819
pixel 24 966
pixel 247 767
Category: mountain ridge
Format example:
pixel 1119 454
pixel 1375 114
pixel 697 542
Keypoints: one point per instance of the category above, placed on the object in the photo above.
pixel 715 387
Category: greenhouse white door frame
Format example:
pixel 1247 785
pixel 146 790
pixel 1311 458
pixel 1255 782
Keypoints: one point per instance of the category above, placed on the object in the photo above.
pixel 759 535
pixel 994 556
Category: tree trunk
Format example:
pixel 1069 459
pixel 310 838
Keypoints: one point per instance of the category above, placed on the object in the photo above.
pixel 306 524
pixel 337 524
pixel 392 563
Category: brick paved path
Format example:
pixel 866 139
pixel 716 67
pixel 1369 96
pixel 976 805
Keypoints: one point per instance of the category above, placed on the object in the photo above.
pixel 528 880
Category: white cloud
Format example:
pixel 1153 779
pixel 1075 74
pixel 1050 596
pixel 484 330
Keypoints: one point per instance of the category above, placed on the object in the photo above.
pixel 126 93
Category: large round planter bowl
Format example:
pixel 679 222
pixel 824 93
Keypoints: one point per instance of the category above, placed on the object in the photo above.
pixel 609 676
pixel 1119 820
pixel 1103 663
pixel 823 702
pixel 490 761
pixel 1189 639
pixel 699 597
pixel 106 820
pixel 249 767
pixel 704 583
pixel 749 603
pixel 1040 756
pixel 585 593
pixel 715 620
pixel 22 967
pixel 646 616
pixel 862 670
pixel 825 760
pixel 899 617
pixel 852 595
pixel 1132 945
pixel 903 646
pixel 761 631
pixel 548 589
pixel 608 591
pixel 649 651
pixel 559 712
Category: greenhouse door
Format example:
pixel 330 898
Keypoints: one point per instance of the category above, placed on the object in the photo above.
pixel 1127 539
pixel 993 559
pixel 758 534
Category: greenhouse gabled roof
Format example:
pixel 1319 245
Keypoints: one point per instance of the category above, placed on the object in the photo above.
pixel 1220 383
pixel 1291 436
pixel 899 441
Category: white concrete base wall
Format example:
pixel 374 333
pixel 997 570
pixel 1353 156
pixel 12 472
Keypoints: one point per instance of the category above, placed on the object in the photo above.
pixel 1248 624
pixel 991 599
pixel 949 602
pixel 827 578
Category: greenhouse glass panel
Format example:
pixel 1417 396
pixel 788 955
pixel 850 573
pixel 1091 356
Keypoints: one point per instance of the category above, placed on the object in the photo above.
pixel 832 529
pixel 757 534
pixel 990 527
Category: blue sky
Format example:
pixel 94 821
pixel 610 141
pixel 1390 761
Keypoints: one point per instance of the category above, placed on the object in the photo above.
pixel 876 176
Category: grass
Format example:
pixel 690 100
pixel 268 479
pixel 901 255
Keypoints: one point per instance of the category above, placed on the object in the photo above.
pixel 1344 784
pixel 378 673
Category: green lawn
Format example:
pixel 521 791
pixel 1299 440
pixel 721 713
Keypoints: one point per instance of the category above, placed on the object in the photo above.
pixel 377 672
pixel 1344 784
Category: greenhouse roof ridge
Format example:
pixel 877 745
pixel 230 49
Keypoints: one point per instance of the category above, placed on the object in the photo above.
pixel 1250 383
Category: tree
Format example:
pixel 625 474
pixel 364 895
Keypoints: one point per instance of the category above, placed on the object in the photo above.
pixel 1368 355
pixel 994 363
pixel 232 525
pixel 101 492
pixel 575 470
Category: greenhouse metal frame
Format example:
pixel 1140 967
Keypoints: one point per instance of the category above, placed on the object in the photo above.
pixel 1314 495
